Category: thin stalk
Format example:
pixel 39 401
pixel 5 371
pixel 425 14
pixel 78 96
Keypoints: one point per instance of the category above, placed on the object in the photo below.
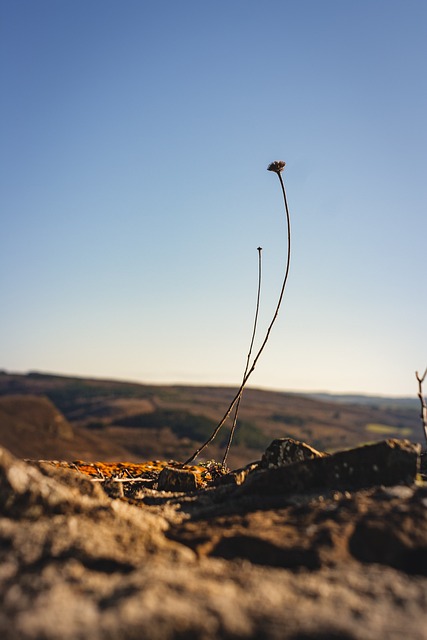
pixel 248 359
pixel 423 415
pixel 276 313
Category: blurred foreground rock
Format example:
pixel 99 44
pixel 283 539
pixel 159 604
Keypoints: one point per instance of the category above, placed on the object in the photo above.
pixel 297 548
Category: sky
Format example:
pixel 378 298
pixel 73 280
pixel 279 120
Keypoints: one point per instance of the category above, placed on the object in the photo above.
pixel 135 138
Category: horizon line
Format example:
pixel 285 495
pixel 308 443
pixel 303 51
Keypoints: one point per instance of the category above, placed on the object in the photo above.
pixel 126 380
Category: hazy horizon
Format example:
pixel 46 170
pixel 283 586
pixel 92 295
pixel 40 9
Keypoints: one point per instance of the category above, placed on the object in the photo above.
pixel 190 383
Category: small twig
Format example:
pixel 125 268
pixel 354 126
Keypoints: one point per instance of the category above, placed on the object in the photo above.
pixel 122 480
pixel 277 167
pixel 236 413
pixel 423 414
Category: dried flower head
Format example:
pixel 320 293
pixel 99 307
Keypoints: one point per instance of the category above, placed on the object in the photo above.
pixel 277 166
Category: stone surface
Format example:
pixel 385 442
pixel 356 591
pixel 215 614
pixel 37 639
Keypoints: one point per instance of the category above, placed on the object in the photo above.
pixel 238 476
pixel 389 462
pixel 284 451
pixel 234 562
pixel 174 479
pixel 313 531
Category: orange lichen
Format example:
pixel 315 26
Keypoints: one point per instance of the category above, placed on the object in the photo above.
pixel 149 470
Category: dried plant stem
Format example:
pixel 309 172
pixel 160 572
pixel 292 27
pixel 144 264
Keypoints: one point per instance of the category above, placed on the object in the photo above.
pixel 248 359
pixel 261 349
pixel 122 480
pixel 423 415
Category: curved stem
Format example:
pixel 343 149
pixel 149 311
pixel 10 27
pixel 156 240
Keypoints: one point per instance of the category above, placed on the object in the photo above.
pixel 261 349
pixel 236 413
pixel 423 414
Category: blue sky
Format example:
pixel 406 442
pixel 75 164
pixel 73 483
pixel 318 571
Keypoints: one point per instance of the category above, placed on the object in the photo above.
pixel 134 191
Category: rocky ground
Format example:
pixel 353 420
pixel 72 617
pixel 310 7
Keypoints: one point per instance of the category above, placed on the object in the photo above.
pixel 296 546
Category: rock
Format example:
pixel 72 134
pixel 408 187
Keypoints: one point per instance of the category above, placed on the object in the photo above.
pixel 238 476
pixel 394 532
pixel 249 561
pixel 389 462
pixel 175 479
pixel 314 531
pixel 26 492
pixel 284 451
pixel 113 488
pixel 68 513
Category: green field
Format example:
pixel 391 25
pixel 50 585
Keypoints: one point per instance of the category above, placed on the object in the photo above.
pixel 387 429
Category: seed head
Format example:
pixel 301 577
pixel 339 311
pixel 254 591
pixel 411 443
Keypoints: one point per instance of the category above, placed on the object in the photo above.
pixel 277 166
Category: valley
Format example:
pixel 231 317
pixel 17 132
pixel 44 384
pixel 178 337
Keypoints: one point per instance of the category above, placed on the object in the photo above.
pixel 111 420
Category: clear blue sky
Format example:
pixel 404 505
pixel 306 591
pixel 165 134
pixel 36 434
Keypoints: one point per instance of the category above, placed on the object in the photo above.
pixel 135 137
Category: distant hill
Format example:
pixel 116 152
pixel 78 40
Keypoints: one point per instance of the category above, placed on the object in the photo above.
pixel 32 427
pixel 385 402
pixel 112 420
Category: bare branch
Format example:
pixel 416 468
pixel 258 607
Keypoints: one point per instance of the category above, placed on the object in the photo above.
pixel 423 414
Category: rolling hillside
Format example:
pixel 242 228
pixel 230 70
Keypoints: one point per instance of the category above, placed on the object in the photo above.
pixel 110 420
